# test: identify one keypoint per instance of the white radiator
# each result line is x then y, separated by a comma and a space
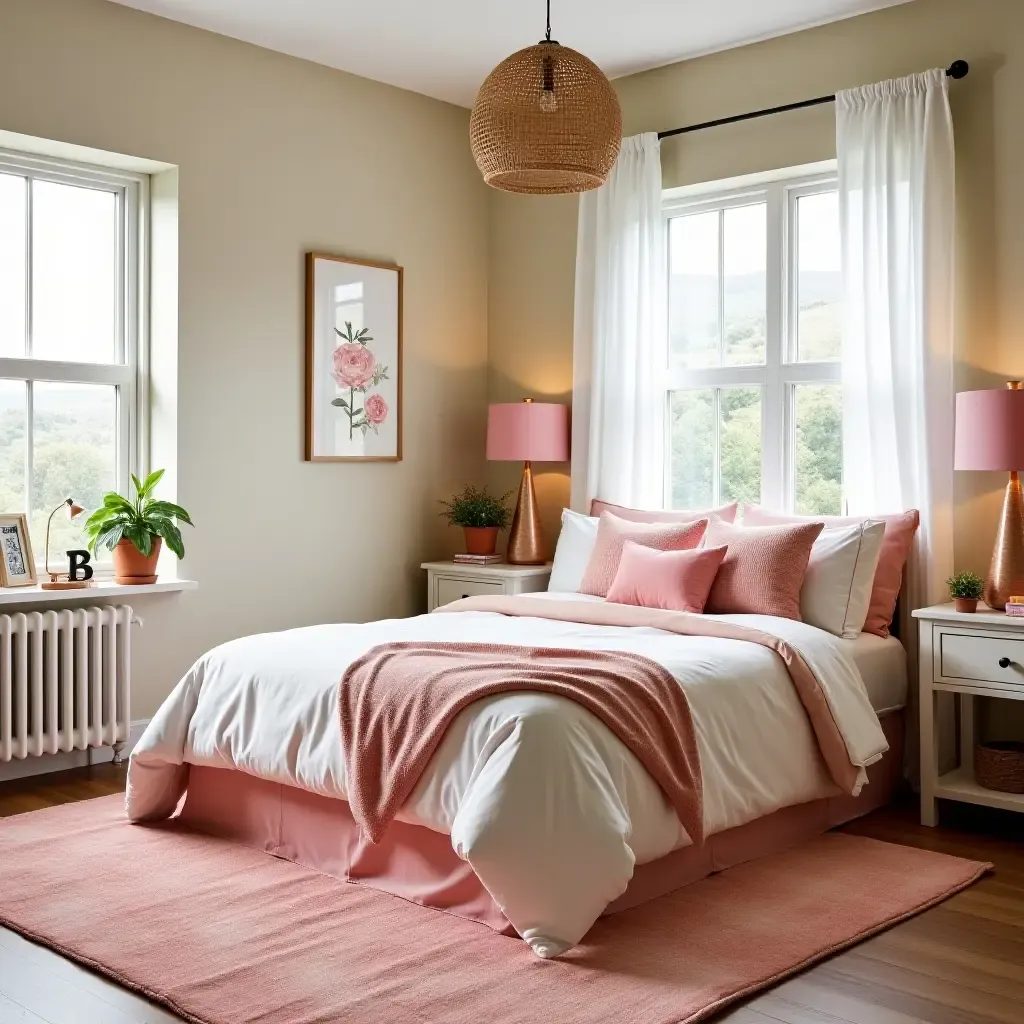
64, 681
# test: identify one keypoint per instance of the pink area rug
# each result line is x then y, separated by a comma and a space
223, 934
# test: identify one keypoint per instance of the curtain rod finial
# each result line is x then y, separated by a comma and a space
958, 69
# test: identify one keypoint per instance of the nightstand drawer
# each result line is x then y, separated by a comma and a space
992, 658
450, 589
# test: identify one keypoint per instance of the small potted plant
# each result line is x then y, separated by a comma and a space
135, 530
965, 588
481, 515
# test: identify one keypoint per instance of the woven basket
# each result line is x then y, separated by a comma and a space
546, 120
1000, 766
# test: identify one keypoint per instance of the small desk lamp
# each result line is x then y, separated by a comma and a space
55, 582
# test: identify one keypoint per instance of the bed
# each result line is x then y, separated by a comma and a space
532, 818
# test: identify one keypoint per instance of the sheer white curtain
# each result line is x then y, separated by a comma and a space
620, 334
897, 205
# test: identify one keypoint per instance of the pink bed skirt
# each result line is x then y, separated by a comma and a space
419, 865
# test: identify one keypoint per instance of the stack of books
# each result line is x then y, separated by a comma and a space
1015, 606
479, 559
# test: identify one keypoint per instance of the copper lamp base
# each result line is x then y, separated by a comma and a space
1006, 573
526, 538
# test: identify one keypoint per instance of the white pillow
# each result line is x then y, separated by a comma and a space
836, 593
572, 552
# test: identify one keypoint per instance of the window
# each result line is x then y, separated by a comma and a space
754, 398
71, 324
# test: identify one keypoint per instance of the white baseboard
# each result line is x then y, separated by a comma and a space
21, 768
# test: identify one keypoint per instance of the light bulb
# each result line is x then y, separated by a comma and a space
548, 103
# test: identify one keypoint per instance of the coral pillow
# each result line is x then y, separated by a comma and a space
763, 570
677, 580
636, 515
900, 528
612, 534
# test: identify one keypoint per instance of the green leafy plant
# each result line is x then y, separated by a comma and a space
475, 506
967, 585
139, 521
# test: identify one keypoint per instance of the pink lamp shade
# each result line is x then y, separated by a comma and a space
528, 432
990, 430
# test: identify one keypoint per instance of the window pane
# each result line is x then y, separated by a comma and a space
746, 287
819, 449
694, 289
13, 192
12, 446
712, 466
819, 278
74, 456
740, 442
693, 448
74, 273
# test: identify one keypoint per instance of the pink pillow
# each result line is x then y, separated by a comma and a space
612, 534
900, 528
679, 581
636, 515
763, 570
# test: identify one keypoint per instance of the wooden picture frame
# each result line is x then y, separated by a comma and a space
17, 562
353, 360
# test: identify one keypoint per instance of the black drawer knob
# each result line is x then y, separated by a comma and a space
1004, 662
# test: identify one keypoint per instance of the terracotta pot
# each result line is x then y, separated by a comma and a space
480, 540
966, 604
131, 566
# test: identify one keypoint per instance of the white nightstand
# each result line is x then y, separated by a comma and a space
451, 581
979, 655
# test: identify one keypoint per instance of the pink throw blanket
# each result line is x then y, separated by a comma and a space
396, 702
845, 774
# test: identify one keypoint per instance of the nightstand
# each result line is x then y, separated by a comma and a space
979, 655
451, 581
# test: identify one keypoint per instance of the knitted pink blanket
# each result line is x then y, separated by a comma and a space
397, 700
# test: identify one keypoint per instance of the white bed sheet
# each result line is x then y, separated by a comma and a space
883, 667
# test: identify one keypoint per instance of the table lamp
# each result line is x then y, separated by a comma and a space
990, 436
527, 432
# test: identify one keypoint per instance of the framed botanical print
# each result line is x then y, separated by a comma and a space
353, 360
17, 563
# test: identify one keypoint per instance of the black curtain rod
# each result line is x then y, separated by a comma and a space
958, 69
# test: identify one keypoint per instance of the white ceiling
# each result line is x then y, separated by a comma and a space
445, 48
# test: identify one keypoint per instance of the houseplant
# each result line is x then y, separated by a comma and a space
135, 530
965, 588
481, 515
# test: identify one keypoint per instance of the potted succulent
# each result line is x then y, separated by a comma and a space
135, 530
965, 588
481, 515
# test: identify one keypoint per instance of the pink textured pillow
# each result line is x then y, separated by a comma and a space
612, 534
763, 570
636, 515
677, 580
900, 528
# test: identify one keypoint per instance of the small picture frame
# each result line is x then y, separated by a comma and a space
17, 563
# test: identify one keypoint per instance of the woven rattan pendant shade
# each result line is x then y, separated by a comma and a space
546, 120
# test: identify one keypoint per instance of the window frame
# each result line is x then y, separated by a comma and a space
129, 372
781, 372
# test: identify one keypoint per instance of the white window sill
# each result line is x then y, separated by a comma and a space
104, 591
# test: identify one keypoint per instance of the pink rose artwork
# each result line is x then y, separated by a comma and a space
355, 368
353, 365
375, 409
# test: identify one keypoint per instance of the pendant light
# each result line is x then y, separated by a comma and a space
546, 120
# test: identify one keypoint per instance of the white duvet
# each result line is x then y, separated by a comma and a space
549, 808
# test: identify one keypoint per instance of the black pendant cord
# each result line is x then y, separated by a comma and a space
547, 34
958, 69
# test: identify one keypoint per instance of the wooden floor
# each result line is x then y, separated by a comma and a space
960, 963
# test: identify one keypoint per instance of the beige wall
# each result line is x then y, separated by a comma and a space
277, 156
532, 241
